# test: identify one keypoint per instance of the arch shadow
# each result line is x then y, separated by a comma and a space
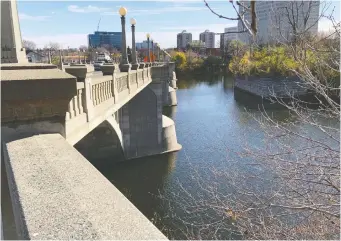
104, 143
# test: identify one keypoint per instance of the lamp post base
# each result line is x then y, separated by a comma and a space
125, 67
134, 66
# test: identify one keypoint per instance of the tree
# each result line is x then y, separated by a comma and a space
250, 28
289, 185
53, 47
180, 59
29, 45
293, 22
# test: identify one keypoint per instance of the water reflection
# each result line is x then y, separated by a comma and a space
141, 179
209, 123
170, 111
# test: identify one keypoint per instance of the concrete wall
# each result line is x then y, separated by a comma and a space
57, 194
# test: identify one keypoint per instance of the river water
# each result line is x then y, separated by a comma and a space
209, 124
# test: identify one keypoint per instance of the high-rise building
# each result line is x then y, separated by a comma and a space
275, 19
105, 39
231, 33
183, 39
208, 38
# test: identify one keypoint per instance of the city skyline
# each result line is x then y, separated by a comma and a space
69, 22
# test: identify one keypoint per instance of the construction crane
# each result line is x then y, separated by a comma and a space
99, 23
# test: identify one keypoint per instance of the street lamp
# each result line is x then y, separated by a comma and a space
158, 52
152, 49
148, 36
135, 64
124, 65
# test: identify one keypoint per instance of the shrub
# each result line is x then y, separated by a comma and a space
180, 60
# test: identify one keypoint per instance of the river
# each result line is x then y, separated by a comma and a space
209, 124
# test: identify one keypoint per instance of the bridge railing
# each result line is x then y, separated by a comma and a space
101, 89
122, 82
98, 93
76, 105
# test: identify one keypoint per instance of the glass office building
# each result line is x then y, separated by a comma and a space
101, 39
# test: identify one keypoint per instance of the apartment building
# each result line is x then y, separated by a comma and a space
208, 38
275, 18
183, 39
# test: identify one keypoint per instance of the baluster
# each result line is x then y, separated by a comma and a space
72, 113
75, 105
128, 81
97, 94
100, 91
114, 87
108, 89
104, 91
93, 94
80, 101
88, 98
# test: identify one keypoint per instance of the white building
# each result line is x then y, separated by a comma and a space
183, 39
208, 38
273, 20
231, 36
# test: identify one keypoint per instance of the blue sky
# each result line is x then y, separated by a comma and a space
69, 22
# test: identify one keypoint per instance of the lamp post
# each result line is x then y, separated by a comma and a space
152, 60
148, 36
124, 65
135, 64
158, 52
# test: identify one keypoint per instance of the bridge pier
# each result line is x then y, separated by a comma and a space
135, 130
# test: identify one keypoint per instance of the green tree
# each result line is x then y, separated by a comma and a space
180, 60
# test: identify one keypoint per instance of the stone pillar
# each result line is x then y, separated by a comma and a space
124, 65
79, 71
152, 51
148, 59
12, 50
135, 64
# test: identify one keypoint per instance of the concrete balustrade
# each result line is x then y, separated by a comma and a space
75, 107
51, 190
125, 102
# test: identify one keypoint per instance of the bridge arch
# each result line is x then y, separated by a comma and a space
104, 143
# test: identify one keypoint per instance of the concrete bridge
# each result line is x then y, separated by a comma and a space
120, 111
45, 111
52, 120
